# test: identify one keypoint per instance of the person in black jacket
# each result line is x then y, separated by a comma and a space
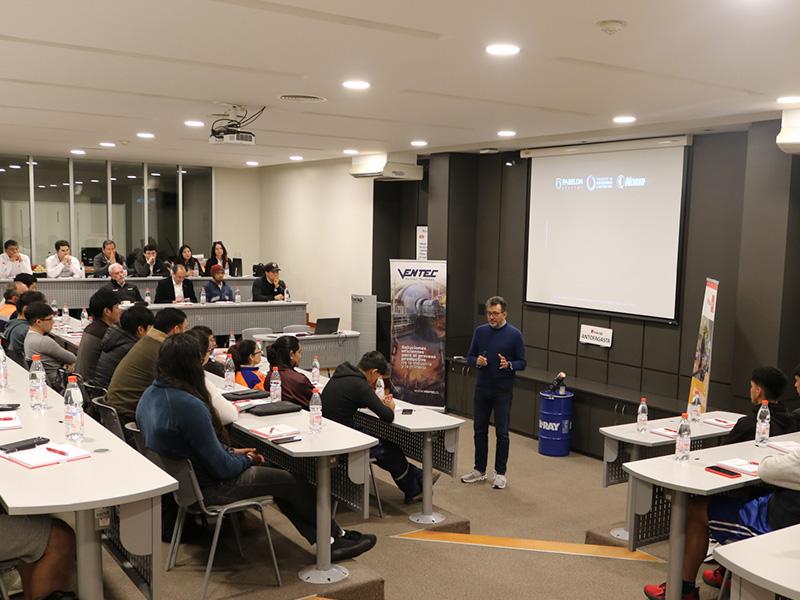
118, 340
219, 256
126, 292
766, 383
270, 287
106, 258
148, 264
186, 259
352, 388
175, 288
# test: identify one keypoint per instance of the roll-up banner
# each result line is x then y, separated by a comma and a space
419, 316
701, 368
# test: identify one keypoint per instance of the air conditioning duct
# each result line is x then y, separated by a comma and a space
788, 139
401, 166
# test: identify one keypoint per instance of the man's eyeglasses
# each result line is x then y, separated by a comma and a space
494, 313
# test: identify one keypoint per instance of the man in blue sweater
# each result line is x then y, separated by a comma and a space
498, 352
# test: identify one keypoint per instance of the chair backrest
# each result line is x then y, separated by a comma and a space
247, 334
17, 357
297, 329
188, 492
108, 417
138, 439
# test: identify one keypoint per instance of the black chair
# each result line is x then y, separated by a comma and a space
108, 417
132, 430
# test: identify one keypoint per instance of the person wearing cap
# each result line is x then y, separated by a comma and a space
216, 289
270, 287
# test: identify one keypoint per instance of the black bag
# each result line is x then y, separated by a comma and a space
274, 408
245, 395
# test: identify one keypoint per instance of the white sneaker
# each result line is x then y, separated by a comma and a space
499, 482
473, 476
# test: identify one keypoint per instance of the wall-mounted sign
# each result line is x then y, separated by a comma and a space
598, 336
422, 242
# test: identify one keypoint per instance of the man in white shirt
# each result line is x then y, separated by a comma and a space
176, 288
62, 264
13, 262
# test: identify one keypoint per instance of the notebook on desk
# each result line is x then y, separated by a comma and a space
327, 326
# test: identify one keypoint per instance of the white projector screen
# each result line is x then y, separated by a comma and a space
604, 231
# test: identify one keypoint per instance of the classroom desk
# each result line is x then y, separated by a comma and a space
312, 457
685, 479
85, 485
332, 349
224, 317
67, 332
622, 443
763, 566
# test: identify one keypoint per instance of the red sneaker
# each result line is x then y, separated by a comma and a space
715, 577
659, 592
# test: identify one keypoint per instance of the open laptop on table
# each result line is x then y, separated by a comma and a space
326, 326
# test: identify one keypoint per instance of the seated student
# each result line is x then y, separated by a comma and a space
353, 387
177, 419
186, 259
285, 353
9, 308
148, 264
107, 257
28, 280
104, 309
17, 329
216, 289
13, 262
135, 372
44, 548
766, 383
176, 288
38, 341
62, 264
118, 340
218, 256
270, 287
246, 356
211, 365
126, 292
226, 410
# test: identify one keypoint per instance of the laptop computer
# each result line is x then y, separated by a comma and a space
327, 325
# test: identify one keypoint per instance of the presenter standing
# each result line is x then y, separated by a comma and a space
498, 352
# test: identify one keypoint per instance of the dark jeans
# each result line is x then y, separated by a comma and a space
486, 401
390, 457
295, 497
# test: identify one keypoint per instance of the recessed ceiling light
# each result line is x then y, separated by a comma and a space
789, 100
42, 186
155, 174
252, 163
53, 185
182, 172
78, 152
419, 143
78, 183
295, 157
113, 179
66, 183
509, 163
145, 135
502, 49
131, 176
624, 119
95, 180
356, 84
194, 123
15, 166
2, 170
108, 144
506, 133
350, 151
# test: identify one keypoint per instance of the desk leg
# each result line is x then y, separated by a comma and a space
90, 558
624, 533
427, 516
323, 571
677, 543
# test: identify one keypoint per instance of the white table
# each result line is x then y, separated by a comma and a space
85, 485
685, 479
622, 443
67, 331
323, 449
763, 566
224, 317
332, 349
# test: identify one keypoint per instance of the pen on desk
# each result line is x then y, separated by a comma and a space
670, 430
6, 418
55, 451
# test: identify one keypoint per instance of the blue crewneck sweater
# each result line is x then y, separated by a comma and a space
490, 342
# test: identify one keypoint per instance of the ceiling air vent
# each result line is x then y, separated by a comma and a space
307, 98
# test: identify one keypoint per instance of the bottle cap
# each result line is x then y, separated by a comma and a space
764, 402
316, 357
230, 355
643, 399
315, 391
274, 368
36, 357
72, 379
684, 415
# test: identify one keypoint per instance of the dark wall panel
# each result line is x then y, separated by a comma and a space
438, 199
627, 342
624, 376
594, 370
513, 208
536, 326
556, 361
661, 343
487, 232
563, 332
656, 382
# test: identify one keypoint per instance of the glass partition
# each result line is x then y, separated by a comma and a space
127, 208
15, 199
197, 209
91, 207
162, 208
51, 202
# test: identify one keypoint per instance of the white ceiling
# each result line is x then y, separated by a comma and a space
73, 74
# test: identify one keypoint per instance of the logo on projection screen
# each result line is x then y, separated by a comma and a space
624, 181
568, 183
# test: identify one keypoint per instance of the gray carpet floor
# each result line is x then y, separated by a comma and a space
556, 499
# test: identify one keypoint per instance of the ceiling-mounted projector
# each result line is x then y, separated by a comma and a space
228, 129
231, 135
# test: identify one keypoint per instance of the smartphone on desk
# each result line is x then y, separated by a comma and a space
723, 471
6, 407
407, 411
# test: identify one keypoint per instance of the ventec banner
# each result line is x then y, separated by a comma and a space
701, 368
419, 317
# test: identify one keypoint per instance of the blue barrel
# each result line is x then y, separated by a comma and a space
555, 423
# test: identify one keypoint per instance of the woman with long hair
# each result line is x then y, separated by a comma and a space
218, 256
246, 356
186, 259
286, 353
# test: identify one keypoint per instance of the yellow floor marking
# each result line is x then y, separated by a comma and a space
492, 541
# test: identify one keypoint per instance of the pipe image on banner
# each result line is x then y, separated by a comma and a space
701, 368
419, 317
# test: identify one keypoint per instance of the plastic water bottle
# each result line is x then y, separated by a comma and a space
380, 389
237, 296
3, 370
683, 442
315, 412
73, 410
147, 298
38, 384
286, 296
275, 385
84, 318
641, 416
195, 272
53, 307
762, 424
230, 373
315, 370
227, 270
695, 408
203, 296
231, 340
